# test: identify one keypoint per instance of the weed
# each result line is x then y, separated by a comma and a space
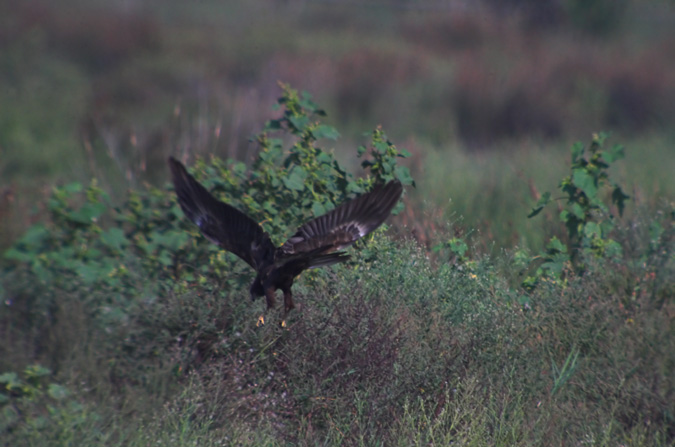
587, 218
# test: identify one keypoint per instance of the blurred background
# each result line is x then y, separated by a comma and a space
487, 95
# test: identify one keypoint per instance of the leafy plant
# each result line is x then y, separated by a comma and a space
32, 404
286, 186
454, 250
587, 217
119, 259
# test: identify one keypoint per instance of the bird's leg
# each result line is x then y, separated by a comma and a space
288, 305
288, 301
269, 297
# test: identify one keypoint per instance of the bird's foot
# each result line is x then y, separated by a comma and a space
261, 321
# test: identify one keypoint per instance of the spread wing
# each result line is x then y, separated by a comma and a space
345, 224
220, 222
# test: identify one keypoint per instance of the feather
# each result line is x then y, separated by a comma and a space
314, 244
219, 222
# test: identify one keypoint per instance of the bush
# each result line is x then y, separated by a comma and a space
149, 324
587, 217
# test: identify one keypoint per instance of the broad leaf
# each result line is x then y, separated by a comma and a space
544, 200
584, 181
325, 131
296, 179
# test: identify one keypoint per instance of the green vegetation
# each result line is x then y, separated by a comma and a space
487, 100
463, 323
123, 326
588, 220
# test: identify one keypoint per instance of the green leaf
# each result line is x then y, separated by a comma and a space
458, 246
87, 213
324, 158
318, 209
57, 392
577, 211
402, 173
72, 188
299, 122
306, 103
613, 154
269, 208
90, 272
556, 263
585, 182
273, 125
544, 200
239, 168
11, 379
577, 151
381, 147
613, 249
13, 254
556, 246
165, 258
114, 238
296, 179
35, 236
592, 230
37, 371
174, 240
325, 131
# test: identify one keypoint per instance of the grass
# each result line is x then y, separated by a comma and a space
392, 350
490, 194
400, 347
444, 76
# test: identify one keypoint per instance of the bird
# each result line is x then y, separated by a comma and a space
317, 243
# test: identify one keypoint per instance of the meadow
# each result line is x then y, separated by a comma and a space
464, 322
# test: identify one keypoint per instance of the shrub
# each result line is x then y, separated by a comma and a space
33, 409
124, 262
152, 327
587, 218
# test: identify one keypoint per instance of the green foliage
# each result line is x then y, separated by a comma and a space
393, 349
147, 237
286, 186
453, 250
587, 217
33, 408
134, 262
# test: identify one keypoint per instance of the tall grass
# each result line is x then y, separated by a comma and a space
490, 194
391, 350
110, 93
398, 347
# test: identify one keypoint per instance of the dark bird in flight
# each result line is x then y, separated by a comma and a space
315, 244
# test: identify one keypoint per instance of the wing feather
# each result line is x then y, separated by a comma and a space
345, 224
219, 222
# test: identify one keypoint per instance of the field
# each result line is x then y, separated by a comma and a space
464, 322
